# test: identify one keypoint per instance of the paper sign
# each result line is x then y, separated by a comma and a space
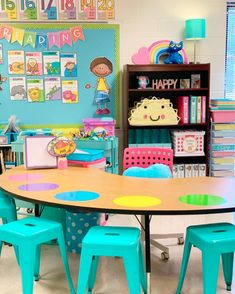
8, 9
17, 88
53, 88
51, 62
33, 63
70, 91
35, 90
16, 62
87, 9
48, 9
105, 9
68, 9
28, 9
68, 64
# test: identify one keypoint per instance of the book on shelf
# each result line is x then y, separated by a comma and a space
223, 126
189, 170
184, 83
201, 169
183, 109
180, 171
195, 81
175, 171
193, 109
199, 109
195, 170
203, 109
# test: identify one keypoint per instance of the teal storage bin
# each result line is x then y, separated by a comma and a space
86, 155
77, 225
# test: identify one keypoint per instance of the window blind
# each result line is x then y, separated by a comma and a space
230, 52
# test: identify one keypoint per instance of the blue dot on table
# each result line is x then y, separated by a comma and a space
77, 196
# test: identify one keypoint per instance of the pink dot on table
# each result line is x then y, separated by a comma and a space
38, 187
25, 177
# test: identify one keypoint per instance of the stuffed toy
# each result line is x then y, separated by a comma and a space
153, 171
174, 56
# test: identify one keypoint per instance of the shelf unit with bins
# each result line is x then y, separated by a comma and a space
222, 151
162, 71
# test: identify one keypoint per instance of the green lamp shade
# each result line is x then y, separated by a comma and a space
195, 29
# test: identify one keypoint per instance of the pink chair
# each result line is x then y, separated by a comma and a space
144, 157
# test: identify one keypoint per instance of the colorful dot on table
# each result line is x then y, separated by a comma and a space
25, 177
137, 201
38, 187
202, 199
77, 196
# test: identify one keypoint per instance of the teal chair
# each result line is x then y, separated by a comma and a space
112, 241
214, 240
7, 208
27, 235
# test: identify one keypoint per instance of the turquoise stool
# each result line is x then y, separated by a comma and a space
213, 240
27, 235
112, 241
7, 208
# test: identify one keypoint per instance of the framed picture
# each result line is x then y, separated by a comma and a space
184, 83
195, 81
36, 154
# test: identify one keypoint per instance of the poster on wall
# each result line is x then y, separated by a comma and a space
67, 9
51, 62
48, 9
16, 62
35, 90
33, 63
105, 9
87, 9
53, 88
28, 10
69, 91
8, 9
17, 88
68, 65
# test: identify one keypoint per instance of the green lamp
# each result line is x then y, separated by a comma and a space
195, 29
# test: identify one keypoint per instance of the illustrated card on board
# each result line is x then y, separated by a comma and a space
68, 64
36, 154
28, 9
48, 9
53, 89
69, 91
51, 63
18, 88
35, 90
33, 63
8, 9
105, 9
1, 60
87, 9
67, 9
16, 62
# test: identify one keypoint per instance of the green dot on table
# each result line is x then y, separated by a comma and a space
202, 199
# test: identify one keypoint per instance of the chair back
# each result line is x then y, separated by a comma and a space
146, 156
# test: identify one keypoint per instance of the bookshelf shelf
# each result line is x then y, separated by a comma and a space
185, 77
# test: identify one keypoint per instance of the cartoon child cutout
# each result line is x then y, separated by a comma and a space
70, 69
101, 67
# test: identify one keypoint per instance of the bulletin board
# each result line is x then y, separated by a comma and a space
100, 40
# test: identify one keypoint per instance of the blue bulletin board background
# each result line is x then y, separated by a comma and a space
101, 40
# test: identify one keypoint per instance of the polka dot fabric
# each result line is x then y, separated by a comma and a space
77, 225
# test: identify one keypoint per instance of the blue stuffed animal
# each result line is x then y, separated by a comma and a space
174, 56
157, 170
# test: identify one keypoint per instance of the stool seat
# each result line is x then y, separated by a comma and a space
7, 208
112, 241
214, 240
27, 235
117, 237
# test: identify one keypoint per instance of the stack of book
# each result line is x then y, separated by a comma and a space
189, 170
191, 109
222, 110
222, 150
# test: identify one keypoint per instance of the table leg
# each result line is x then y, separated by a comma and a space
147, 251
37, 212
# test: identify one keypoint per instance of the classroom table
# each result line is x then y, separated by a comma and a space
112, 193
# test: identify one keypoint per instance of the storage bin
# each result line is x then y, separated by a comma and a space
86, 155
188, 143
77, 225
4, 140
223, 116
100, 124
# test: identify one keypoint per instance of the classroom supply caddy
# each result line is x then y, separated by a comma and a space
188, 143
99, 125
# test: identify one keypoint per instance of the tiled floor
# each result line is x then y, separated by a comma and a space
111, 276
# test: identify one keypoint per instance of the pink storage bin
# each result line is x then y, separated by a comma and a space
223, 116
94, 124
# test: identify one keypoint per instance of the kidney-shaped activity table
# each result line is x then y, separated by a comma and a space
91, 189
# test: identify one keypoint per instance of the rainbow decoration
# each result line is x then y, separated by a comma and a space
161, 47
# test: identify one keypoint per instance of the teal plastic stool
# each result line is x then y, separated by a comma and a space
7, 208
112, 241
27, 235
214, 240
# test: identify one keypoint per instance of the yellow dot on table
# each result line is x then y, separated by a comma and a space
137, 201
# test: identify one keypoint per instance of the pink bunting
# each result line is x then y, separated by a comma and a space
53, 39
65, 38
77, 34
5, 32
